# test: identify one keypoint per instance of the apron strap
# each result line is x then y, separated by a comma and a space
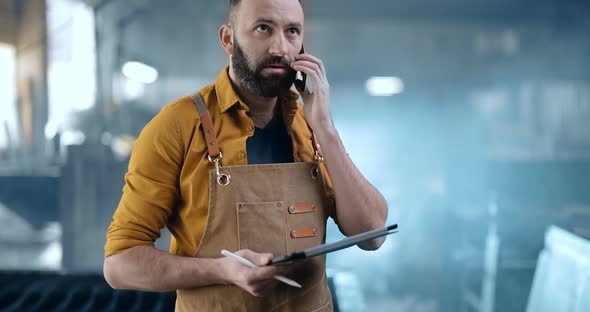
207, 123
319, 154
211, 138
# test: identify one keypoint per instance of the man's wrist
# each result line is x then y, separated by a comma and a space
219, 272
326, 132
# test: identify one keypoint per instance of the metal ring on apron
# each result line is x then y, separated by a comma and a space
315, 170
223, 179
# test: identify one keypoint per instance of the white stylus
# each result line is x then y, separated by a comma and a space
251, 264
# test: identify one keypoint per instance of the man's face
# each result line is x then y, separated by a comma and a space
269, 78
267, 35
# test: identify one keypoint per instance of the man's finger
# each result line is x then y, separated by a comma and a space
313, 59
259, 259
309, 64
307, 68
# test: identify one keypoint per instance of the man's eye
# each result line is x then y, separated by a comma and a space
262, 28
293, 31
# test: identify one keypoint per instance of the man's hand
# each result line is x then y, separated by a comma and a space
259, 281
316, 104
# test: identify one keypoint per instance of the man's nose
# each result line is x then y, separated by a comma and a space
279, 46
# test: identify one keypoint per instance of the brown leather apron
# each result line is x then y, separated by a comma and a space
276, 208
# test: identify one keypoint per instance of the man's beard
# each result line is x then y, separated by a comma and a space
254, 82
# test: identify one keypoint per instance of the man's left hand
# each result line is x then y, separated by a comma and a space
316, 104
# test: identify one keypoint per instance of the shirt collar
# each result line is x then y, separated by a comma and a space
226, 95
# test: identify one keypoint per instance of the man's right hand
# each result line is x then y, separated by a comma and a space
258, 281
149, 269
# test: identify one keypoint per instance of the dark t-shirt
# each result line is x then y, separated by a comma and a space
271, 144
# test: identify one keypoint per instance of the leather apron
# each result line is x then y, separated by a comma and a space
276, 208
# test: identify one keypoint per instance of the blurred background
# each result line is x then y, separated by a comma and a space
472, 117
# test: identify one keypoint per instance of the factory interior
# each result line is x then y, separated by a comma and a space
471, 118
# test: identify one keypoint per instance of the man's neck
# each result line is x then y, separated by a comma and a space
262, 109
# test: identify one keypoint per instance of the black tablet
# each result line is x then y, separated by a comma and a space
338, 245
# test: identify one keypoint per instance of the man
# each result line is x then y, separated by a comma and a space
234, 167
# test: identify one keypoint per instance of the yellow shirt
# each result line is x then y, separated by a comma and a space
167, 182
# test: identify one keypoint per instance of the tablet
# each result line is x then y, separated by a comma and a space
338, 245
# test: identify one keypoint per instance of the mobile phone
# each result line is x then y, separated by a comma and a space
300, 77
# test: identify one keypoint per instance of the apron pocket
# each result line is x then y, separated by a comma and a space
261, 227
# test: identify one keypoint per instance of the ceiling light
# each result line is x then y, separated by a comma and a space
384, 86
140, 72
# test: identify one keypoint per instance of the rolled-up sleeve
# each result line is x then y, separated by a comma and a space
151, 188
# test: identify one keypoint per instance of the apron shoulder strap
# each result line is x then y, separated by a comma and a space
207, 124
319, 154
198, 100
211, 138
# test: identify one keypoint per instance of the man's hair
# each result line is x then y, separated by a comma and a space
233, 5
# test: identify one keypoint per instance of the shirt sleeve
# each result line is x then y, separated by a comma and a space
151, 188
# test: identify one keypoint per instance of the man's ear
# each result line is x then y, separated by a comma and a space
226, 38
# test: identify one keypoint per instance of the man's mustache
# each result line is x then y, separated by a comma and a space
274, 60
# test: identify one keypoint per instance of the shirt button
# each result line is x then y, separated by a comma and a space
241, 155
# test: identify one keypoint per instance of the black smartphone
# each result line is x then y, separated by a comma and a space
301, 77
